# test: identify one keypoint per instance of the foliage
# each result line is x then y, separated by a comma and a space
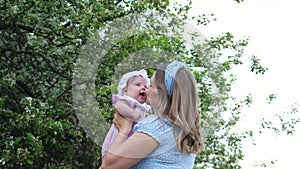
284, 122
41, 43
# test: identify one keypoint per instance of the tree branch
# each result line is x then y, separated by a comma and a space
116, 4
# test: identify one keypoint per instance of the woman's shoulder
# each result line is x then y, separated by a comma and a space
153, 119
153, 125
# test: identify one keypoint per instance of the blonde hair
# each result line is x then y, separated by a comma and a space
181, 109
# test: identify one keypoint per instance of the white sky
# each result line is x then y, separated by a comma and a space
274, 34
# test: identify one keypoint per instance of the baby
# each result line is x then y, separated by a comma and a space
130, 101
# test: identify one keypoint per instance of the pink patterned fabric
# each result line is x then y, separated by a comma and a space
113, 131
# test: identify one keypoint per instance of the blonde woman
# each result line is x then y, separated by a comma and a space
171, 137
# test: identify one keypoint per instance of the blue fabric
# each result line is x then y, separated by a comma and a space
165, 156
170, 74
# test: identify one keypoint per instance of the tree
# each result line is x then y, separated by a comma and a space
40, 42
45, 46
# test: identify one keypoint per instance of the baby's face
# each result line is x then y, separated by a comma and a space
137, 89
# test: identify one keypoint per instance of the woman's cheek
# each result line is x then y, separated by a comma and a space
148, 101
153, 97
148, 97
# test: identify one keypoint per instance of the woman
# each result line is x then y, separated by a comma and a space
170, 138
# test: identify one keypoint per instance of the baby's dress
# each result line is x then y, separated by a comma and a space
113, 131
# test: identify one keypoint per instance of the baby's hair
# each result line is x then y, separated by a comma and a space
127, 77
129, 81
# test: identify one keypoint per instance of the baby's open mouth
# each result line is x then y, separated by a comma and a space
142, 93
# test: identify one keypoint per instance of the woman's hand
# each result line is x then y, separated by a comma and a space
123, 124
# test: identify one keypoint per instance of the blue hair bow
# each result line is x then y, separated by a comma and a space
170, 74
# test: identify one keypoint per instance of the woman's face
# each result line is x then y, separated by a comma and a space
151, 95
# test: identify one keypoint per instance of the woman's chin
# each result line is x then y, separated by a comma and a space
148, 102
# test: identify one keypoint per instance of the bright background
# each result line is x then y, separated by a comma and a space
273, 28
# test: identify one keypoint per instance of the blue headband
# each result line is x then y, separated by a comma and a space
170, 74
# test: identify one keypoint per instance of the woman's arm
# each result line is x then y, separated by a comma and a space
129, 152
123, 152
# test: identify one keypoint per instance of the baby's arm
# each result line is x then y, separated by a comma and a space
124, 109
